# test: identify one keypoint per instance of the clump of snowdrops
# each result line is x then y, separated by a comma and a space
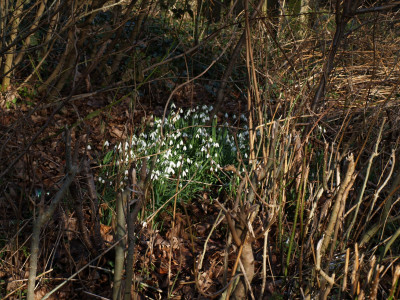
189, 154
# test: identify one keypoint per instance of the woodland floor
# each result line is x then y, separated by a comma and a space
164, 255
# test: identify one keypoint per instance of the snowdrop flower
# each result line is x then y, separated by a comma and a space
153, 135
106, 144
173, 106
184, 148
176, 118
88, 147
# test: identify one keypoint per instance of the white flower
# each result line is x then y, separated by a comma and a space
173, 106
106, 144
176, 118
169, 170
184, 148
226, 115
88, 147
100, 179
153, 135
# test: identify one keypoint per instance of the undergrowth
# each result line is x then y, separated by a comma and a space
183, 151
